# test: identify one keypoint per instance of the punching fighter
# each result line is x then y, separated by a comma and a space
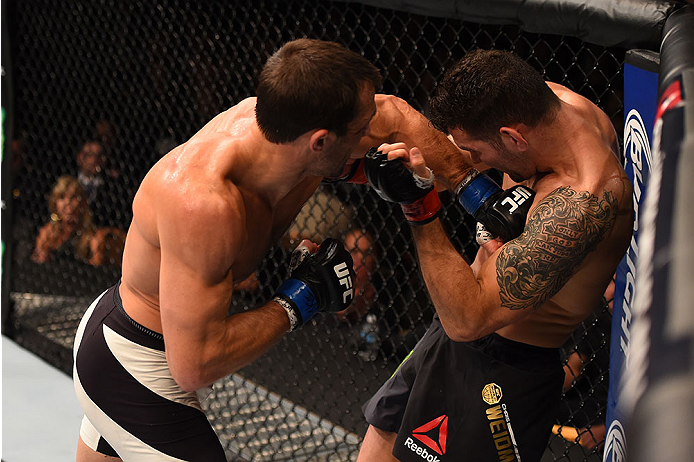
484, 382
203, 217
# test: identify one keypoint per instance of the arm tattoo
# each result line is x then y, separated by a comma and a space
560, 232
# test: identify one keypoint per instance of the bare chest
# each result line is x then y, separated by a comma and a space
265, 225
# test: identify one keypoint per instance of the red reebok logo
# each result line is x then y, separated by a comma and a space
437, 446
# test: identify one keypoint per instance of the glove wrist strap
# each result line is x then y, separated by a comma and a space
469, 176
424, 210
300, 299
353, 173
476, 193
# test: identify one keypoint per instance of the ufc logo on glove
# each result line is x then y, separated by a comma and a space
520, 195
342, 272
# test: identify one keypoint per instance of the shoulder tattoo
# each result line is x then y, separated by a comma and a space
559, 233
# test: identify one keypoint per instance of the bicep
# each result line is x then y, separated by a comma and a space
560, 232
187, 293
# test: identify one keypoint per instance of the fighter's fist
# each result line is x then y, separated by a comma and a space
320, 281
394, 182
502, 212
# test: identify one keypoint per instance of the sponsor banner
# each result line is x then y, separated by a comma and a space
640, 103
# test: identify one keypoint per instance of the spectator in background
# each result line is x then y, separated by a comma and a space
106, 198
324, 215
70, 232
586, 356
105, 134
90, 162
361, 246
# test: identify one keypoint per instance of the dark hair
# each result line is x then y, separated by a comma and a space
488, 89
310, 84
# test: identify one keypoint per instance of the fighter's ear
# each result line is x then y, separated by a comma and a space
514, 137
319, 139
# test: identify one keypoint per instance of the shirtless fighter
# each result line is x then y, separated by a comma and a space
204, 217
484, 382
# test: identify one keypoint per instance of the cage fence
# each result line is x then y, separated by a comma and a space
132, 79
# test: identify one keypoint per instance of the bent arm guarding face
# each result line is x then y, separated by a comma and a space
561, 230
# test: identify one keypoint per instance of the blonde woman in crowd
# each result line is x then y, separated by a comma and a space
70, 231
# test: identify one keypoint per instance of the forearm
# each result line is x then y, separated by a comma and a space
446, 160
453, 287
233, 343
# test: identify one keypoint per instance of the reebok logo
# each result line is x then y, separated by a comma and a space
424, 434
420, 451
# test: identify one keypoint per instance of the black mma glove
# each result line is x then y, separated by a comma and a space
502, 212
322, 281
395, 183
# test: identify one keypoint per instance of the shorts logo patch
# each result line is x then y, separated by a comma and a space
425, 432
491, 393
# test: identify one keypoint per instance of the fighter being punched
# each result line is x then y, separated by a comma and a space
484, 381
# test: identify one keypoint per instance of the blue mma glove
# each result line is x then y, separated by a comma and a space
502, 212
322, 281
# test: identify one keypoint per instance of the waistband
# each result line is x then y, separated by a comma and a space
520, 355
122, 323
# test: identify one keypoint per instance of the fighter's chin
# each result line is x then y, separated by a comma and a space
336, 172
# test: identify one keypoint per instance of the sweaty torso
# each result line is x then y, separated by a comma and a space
210, 168
597, 169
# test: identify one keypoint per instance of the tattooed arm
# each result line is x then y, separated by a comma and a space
561, 230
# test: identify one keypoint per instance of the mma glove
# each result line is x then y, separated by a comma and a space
322, 281
501, 212
395, 183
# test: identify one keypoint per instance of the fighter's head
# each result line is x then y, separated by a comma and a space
309, 84
486, 101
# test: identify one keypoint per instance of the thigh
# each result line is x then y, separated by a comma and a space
87, 454
467, 405
386, 408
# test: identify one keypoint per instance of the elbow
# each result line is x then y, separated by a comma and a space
460, 331
188, 381
188, 377
461, 335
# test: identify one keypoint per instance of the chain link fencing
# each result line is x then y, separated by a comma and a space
132, 79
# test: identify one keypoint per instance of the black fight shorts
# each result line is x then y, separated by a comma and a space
133, 408
492, 399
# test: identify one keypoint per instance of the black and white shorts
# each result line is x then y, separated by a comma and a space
491, 399
133, 408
